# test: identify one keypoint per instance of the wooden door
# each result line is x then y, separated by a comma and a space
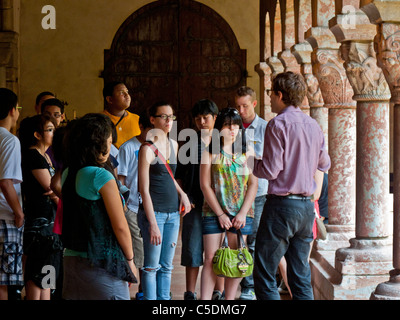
178, 51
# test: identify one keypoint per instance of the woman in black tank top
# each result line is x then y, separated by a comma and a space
162, 201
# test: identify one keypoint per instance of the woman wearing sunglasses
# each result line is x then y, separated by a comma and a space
229, 190
162, 201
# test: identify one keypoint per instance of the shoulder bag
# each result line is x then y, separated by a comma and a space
233, 263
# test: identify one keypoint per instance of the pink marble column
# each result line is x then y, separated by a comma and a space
369, 255
265, 72
337, 92
388, 55
302, 52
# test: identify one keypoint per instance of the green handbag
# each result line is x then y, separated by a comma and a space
233, 263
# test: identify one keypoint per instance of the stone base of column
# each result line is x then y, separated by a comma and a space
365, 257
351, 273
389, 290
338, 236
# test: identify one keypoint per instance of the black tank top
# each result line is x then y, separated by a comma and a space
162, 188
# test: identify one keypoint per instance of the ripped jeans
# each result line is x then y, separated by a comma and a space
157, 269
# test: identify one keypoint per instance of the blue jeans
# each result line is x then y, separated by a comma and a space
157, 269
285, 230
248, 282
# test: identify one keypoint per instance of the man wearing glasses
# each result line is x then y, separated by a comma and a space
54, 108
294, 148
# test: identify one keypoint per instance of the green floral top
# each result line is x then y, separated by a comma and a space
229, 178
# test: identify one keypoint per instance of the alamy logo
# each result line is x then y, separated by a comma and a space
49, 20
49, 280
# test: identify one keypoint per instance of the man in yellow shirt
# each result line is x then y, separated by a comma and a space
117, 100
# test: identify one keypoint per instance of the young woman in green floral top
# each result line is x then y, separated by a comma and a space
229, 190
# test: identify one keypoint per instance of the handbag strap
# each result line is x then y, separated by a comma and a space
240, 240
158, 154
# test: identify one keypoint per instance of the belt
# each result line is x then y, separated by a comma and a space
289, 196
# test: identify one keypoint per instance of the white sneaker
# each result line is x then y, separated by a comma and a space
248, 294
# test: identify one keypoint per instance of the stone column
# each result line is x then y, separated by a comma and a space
9, 60
369, 255
302, 52
337, 95
265, 72
8, 47
388, 53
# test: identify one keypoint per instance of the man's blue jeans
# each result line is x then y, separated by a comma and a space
285, 230
157, 269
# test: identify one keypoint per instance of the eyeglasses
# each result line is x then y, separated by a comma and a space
165, 117
228, 111
19, 108
55, 115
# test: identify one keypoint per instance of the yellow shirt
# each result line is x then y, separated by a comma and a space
127, 128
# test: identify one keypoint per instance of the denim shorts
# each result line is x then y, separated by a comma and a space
211, 225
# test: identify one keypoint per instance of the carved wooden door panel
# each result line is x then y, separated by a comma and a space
178, 51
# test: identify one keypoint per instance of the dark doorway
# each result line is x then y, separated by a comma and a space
178, 51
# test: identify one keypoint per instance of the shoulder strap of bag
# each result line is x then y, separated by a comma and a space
240, 239
241, 243
158, 154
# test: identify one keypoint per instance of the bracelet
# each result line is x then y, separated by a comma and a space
221, 214
129, 259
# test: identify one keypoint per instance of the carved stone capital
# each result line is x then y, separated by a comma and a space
265, 72
275, 64
335, 87
314, 94
321, 37
366, 78
381, 10
387, 47
289, 61
352, 25
302, 52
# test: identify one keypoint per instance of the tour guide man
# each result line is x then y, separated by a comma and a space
294, 149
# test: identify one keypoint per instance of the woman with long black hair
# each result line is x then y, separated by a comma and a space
98, 260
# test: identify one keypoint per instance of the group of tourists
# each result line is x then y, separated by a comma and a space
100, 199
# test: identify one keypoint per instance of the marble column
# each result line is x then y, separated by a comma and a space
9, 60
369, 255
337, 95
265, 72
302, 52
388, 53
